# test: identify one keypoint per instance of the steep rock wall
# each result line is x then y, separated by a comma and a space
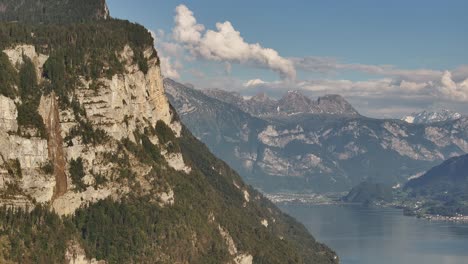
121, 105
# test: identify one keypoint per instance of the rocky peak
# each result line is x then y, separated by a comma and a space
336, 104
294, 102
428, 117
233, 98
261, 97
294, 95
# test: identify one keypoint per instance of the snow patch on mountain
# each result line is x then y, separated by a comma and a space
427, 117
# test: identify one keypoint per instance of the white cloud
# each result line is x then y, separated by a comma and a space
186, 29
172, 49
328, 65
391, 92
168, 68
254, 82
226, 44
446, 85
452, 90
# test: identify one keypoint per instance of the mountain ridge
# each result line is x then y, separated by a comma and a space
292, 102
431, 116
318, 152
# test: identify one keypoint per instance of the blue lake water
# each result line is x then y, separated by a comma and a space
381, 236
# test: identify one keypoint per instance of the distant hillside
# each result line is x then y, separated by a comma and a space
450, 177
428, 117
53, 11
293, 102
444, 188
369, 192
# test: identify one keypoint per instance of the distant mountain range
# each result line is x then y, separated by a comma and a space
299, 144
293, 102
427, 117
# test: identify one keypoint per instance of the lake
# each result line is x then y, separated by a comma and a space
380, 236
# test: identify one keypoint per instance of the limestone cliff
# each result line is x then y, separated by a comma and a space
120, 106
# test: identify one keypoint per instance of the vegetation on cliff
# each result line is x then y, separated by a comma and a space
210, 206
52, 11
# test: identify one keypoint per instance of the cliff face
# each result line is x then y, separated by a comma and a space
105, 146
96, 166
120, 106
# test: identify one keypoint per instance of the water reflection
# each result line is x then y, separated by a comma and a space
366, 235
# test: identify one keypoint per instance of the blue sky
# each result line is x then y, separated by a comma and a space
342, 46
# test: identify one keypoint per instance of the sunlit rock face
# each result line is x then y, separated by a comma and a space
120, 106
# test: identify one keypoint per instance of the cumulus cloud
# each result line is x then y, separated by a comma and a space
225, 44
452, 90
168, 69
167, 51
390, 91
447, 85
254, 82
186, 29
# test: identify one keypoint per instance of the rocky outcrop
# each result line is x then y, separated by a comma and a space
75, 254
239, 258
8, 115
21, 160
127, 102
16, 54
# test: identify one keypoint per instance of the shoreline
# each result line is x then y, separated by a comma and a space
332, 199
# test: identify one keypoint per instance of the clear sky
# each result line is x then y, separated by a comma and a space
388, 58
